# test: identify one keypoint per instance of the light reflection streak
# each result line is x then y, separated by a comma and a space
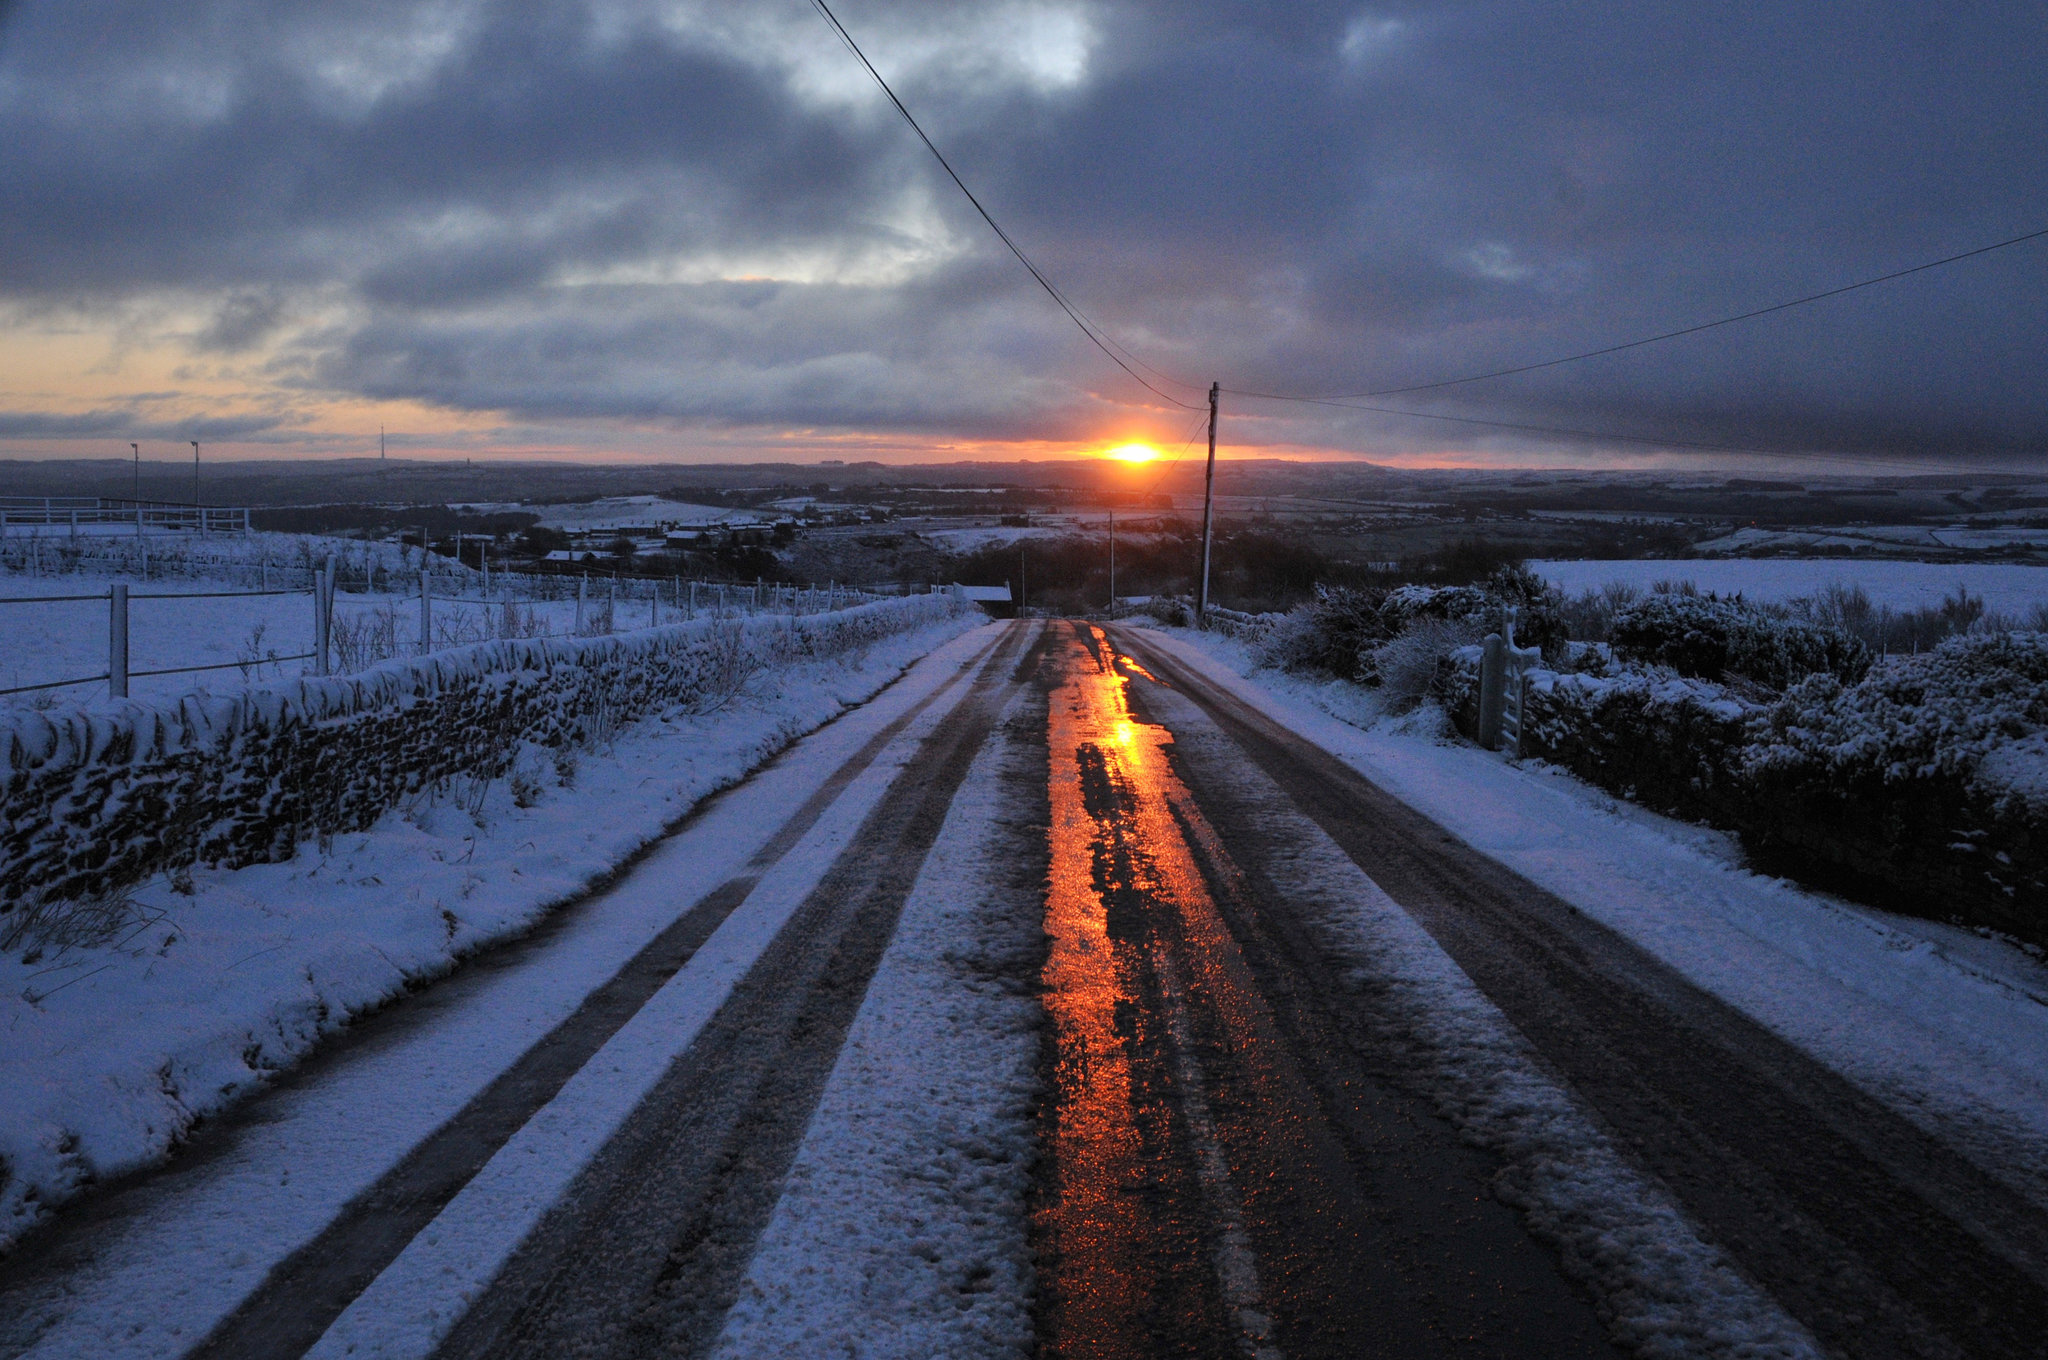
1099, 1225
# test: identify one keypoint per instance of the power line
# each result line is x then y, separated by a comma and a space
1125, 359
1667, 335
1043, 282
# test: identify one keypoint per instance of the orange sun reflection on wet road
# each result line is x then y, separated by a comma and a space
1144, 1254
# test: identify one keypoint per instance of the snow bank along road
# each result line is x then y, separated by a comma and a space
1061, 999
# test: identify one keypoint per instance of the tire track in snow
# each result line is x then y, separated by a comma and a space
646, 1252
308, 1290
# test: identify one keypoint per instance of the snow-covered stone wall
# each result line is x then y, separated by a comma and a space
97, 799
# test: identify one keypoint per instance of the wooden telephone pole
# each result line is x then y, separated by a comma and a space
1112, 561
1208, 511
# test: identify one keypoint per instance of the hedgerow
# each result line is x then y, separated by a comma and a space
1713, 639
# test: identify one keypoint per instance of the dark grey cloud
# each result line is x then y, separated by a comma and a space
128, 422
547, 208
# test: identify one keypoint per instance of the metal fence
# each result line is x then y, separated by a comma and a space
600, 606
117, 674
41, 514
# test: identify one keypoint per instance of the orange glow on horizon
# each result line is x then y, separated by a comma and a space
1133, 453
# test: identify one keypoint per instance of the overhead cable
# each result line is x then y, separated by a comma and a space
1667, 335
1023, 259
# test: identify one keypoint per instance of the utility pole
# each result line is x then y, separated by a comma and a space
1208, 511
381, 455
1112, 561
138, 470
195, 474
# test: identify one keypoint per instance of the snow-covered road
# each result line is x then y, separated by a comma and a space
1077, 995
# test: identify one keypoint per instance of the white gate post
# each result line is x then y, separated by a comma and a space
117, 640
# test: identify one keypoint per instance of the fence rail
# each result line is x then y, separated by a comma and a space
686, 599
35, 513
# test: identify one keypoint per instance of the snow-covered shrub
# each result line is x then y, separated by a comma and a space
94, 800
1344, 631
1456, 687
1668, 742
1974, 709
1932, 772
1171, 610
1714, 639
1408, 666
1589, 616
1330, 633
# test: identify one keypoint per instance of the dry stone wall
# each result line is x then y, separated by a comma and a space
98, 799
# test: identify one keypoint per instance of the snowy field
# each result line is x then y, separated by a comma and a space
613, 512
971, 540
1886, 537
112, 1053
2006, 588
66, 639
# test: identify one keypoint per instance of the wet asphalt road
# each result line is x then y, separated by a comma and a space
1225, 1176
1238, 1153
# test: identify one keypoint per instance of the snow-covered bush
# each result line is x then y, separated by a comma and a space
1924, 785
1930, 776
1171, 610
1666, 741
1329, 633
1714, 639
1975, 709
1589, 615
1345, 631
1409, 664
93, 800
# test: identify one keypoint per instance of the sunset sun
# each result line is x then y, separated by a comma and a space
1133, 453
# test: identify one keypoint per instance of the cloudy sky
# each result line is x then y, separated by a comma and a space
694, 229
